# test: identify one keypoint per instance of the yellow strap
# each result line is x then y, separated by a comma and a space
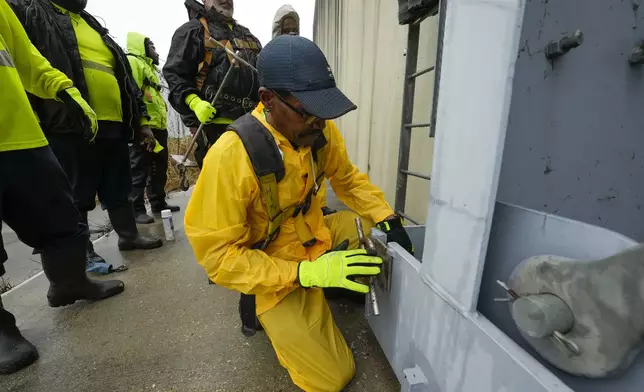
242, 44
268, 185
210, 45
204, 67
270, 198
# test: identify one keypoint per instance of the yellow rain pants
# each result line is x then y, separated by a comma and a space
302, 330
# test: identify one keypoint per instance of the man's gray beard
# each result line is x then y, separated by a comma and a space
226, 13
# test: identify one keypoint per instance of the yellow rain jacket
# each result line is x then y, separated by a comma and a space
22, 68
145, 75
226, 216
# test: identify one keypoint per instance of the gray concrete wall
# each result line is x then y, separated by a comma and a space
576, 131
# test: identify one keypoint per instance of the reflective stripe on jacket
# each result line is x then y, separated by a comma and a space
22, 68
226, 216
52, 32
98, 66
146, 77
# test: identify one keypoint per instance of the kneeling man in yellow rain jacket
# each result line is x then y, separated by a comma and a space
255, 227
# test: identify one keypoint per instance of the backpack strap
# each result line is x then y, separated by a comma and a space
204, 67
268, 165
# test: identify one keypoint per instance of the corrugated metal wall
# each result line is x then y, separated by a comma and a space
366, 48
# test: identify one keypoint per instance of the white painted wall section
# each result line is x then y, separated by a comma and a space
475, 92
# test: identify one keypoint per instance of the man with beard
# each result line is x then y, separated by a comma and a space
74, 42
256, 228
286, 21
149, 168
196, 68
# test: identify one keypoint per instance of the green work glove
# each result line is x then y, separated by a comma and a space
334, 269
202, 109
80, 112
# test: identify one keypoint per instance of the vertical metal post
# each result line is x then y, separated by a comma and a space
407, 115
442, 15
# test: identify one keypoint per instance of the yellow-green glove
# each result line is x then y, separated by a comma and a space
80, 112
335, 269
202, 109
157, 147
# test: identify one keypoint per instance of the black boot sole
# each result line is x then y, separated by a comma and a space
21, 363
176, 209
65, 300
135, 246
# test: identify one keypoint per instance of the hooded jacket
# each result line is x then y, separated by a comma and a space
188, 50
52, 33
145, 74
195, 9
285, 11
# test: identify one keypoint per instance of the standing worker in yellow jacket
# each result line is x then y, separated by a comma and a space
287, 259
36, 200
287, 22
149, 168
74, 42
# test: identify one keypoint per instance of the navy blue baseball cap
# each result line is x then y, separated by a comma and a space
295, 64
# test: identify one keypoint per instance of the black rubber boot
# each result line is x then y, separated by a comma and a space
125, 226
16, 352
68, 282
91, 256
165, 206
143, 218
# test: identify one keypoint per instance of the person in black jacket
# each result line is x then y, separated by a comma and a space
195, 9
74, 42
196, 68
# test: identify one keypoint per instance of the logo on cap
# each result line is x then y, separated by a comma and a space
328, 68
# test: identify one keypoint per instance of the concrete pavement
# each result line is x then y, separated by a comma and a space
169, 331
22, 264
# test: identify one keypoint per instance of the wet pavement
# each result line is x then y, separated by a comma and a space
169, 331
22, 264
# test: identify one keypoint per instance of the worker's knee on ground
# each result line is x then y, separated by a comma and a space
343, 227
346, 372
333, 378
308, 343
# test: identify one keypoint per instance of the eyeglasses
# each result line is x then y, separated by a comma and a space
308, 118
